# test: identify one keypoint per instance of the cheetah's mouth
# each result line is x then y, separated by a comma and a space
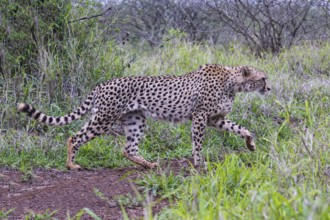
264, 89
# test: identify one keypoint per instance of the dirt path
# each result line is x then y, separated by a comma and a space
69, 192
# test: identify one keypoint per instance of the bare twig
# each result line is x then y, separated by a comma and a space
93, 16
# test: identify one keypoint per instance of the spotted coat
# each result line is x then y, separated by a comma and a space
204, 96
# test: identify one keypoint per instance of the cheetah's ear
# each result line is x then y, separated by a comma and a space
246, 71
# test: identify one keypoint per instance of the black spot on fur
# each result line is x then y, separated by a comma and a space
44, 119
36, 116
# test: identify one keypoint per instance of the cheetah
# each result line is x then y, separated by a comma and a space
204, 96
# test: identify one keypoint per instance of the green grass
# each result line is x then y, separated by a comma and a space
4, 214
236, 189
287, 177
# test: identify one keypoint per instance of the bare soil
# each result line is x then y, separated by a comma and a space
71, 191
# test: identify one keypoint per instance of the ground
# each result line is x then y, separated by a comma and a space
69, 192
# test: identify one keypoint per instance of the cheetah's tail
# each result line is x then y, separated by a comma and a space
62, 120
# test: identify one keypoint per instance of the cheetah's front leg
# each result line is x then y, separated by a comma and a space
197, 134
227, 125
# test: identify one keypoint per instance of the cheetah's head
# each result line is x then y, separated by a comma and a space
253, 80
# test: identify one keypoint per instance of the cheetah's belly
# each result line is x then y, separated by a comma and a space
166, 113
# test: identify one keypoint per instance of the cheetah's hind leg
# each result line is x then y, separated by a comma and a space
70, 155
87, 133
134, 124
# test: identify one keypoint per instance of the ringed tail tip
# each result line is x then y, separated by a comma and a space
22, 107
